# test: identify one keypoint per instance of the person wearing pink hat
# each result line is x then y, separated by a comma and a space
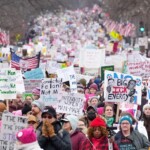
27, 140
36, 93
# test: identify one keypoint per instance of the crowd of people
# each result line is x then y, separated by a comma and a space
94, 130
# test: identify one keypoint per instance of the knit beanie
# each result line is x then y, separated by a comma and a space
36, 91
98, 122
146, 106
127, 118
73, 121
26, 109
2, 107
50, 110
39, 103
94, 86
26, 135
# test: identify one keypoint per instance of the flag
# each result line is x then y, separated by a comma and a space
24, 63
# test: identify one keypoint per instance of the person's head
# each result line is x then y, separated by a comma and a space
2, 107
146, 109
91, 113
80, 88
93, 101
109, 110
97, 128
93, 88
18, 99
126, 123
26, 136
26, 108
49, 113
111, 82
29, 98
37, 107
36, 93
131, 84
32, 121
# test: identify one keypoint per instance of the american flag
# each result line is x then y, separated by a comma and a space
24, 63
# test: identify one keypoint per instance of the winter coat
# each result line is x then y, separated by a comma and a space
139, 140
61, 141
30, 146
77, 137
97, 144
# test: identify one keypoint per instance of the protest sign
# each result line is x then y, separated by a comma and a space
143, 41
71, 104
81, 76
11, 125
31, 84
6, 145
148, 89
19, 82
91, 58
34, 74
50, 88
7, 84
103, 68
68, 74
52, 66
122, 88
91, 72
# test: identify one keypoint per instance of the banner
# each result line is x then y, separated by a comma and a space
71, 104
31, 84
34, 74
122, 88
7, 84
91, 58
110, 68
11, 125
50, 88
68, 74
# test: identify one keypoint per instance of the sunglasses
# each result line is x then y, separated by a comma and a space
49, 117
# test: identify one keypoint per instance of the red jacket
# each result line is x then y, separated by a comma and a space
97, 144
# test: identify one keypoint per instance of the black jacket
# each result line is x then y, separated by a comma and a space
59, 142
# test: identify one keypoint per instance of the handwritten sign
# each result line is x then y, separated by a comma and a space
34, 74
91, 58
71, 104
11, 125
122, 88
50, 88
19, 82
7, 84
31, 84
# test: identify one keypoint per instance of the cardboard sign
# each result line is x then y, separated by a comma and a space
71, 104
50, 88
34, 74
122, 88
7, 84
11, 125
31, 84
110, 68
92, 58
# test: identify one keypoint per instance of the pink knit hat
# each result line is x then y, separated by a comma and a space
26, 135
36, 91
94, 86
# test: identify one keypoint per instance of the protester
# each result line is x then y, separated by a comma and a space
93, 88
36, 93
32, 121
51, 136
70, 124
82, 126
128, 138
27, 140
93, 101
2, 106
97, 136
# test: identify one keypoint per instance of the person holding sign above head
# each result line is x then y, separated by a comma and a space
128, 138
97, 136
52, 136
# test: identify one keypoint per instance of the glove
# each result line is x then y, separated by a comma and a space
48, 129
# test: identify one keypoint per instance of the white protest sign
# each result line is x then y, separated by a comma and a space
71, 104
148, 89
31, 84
143, 41
6, 145
121, 87
19, 82
50, 88
7, 84
52, 66
11, 125
92, 58
81, 76
68, 74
